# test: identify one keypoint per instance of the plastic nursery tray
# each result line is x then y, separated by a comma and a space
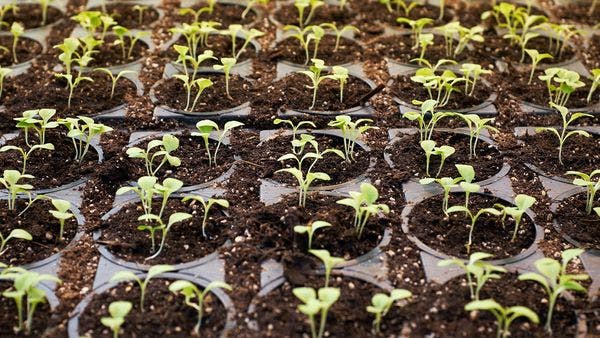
61, 5
73, 325
393, 136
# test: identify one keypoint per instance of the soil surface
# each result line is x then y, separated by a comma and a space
26, 50
499, 48
110, 54
30, 16
580, 13
290, 50
226, 14
400, 47
378, 12
221, 46
9, 317
287, 14
576, 223
128, 17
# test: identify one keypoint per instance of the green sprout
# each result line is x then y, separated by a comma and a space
476, 271
157, 149
188, 84
301, 5
593, 88
73, 83
300, 35
416, 27
16, 30
430, 148
25, 154
364, 205
82, 131
381, 304
504, 316
536, 58
206, 206
164, 228
473, 218
253, 3
443, 85
351, 132
14, 234
122, 33
339, 32
145, 191
471, 73
236, 29
405, 6
118, 311
312, 305
206, 128
3, 72
591, 186
316, 33
140, 9
295, 128
61, 213
476, 126
467, 176
427, 118
154, 271
114, 79
226, 66
446, 183
310, 229
561, 83
328, 261
425, 40
10, 180
522, 203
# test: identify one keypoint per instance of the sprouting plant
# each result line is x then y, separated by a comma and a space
69, 48
61, 213
536, 58
443, 85
301, 5
194, 298
467, 176
114, 79
465, 36
226, 66
25, 154
476, 125
118, 311
504, 316
3, 10
82, 131
300, 35
26, 294
206, 128
253, 3
427, 118
316, 34
402, 6
295, 128
201, 84
416, 27
310, 229
234, 31
5, 71
16, 30
430, 148
73, 82
14, 234
381, 304
472, 72
561, 83
161, 226
473, 218
476, 270
10, 180
364, 205
154, 271
563, 135
206, 206
157, 150
595, 83
555, 280
425, 40
44, 4
122, 33
314, 74
351, 132
559, 36
140, 9
528, 23
329, 262
591, 186
446, 183
144, 190
339, 32
522, 203
312, 305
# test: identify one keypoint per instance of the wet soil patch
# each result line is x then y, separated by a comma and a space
128, 17
221, 46
501, 49
376, 11
290, 50
576, 223
26, 50
399, 47
110, 54
287, 14
591, 54
226, 14
9, 317
30, 16
577, 12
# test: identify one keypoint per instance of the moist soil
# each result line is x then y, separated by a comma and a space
290, 50
591, 54
42, 226
221, 46
498, 48
580, 13
292, 92
27, 49
225, 14
287, 14
110, 54
128, 17
406, 90
338, 169
9, 317
576, 223
194, 168
406, 153
172, 94
277, 312
51, 168
165, 315
449, 234
541, 150
30, 16
399, 47
439, 311
184, 243
375, 11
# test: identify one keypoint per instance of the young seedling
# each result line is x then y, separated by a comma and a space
189, 85
253, 3
536, 58
300, 35
522, 203
427, 118
405, 6
118, 311
301, 5
416, 27
122, 33
312, 305
473, 218
114, 79
140, 9
425, 40
144, 190
472, 72
226, 66
314, 74
592, 186
25, 154
446, 183
310, 230
10, 180
561, 83
553, 277
563, 135
443, 85
61, 213
476, 126
14, 234
328, 261
381, 304
3, 73
82, 131
351, 132
316, 34
206, 206
194, 298
476, 271
339, 32
73, 82
504, 316
154, 271
593, 88
206, 128
430, 148
364, 205
295, 128
157, 149
467, 176
162, 227
16, 30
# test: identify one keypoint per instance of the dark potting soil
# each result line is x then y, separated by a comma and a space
277, 313
439, 311
591, 54
42, 226
400, 48
221, 46
51, 168
449, 234
406, 90
225, 14
576, 223
9, 316
376, 11
30, 16
213, 99
165, 315
470, 12
128, 17
406, 153
110, 54
338, 169
194, 168
290, 50
26, 49
499, 48
184, 242
287, 14
579, 153
292, 92
578, 12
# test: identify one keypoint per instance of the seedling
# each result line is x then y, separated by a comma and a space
312, 305
553, 277
44, 4
3, 73
316, 33
73, 83
425, 40
310, 230
82, 131
10, 180
301, 5
536, 57
164, 228
473, 218
339, 32
122, 33
467, 175
145, 191
16, 30
591, 186
194, 298
154, 271
381, 304
472, 72
206, 205
61, 213
201, 84
476, 271
118, 311
405, 6
427, 118
444, 84
429, 147
14, 234
249, 35
593, 88
328, 261
25, 154
416, 27
567, 81
140, 9
563, 135
253, 3
114, 79
522, 203
351, 132
476, 126
300, 35
504, 316
364, 205
446, 183
157, 150
206, 127
295, 128
226, 66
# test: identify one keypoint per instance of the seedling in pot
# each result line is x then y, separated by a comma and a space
591, 186
201, 84
14, 234
253, 3
555, 280
364, 205
310, 230
61, 213
301, 5
312, 305
160, 226
122, 33
301, 35
329, 262
467, 175
563, 135
73, 82
528, 24
425, 40
114, 79
3, 73
476, 126
118, 311
351, 132
295, 128
3, 10
427, 118
416, 27
443, 85
536, 58
16, 30
196, 34
154, 271
206, 205
429, 147
184, 57
82, 131
314, 74
595, 83
522, 203
381, 304
194, 298
140, 9
10, 180
402, 7
233, 31
206, 127
559, 36
476, 271
157, 149
316, 33
465, 36
472, 72
26, 153
339, 32
473, 218
226, 66
446, 183
561, 83
504, 315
